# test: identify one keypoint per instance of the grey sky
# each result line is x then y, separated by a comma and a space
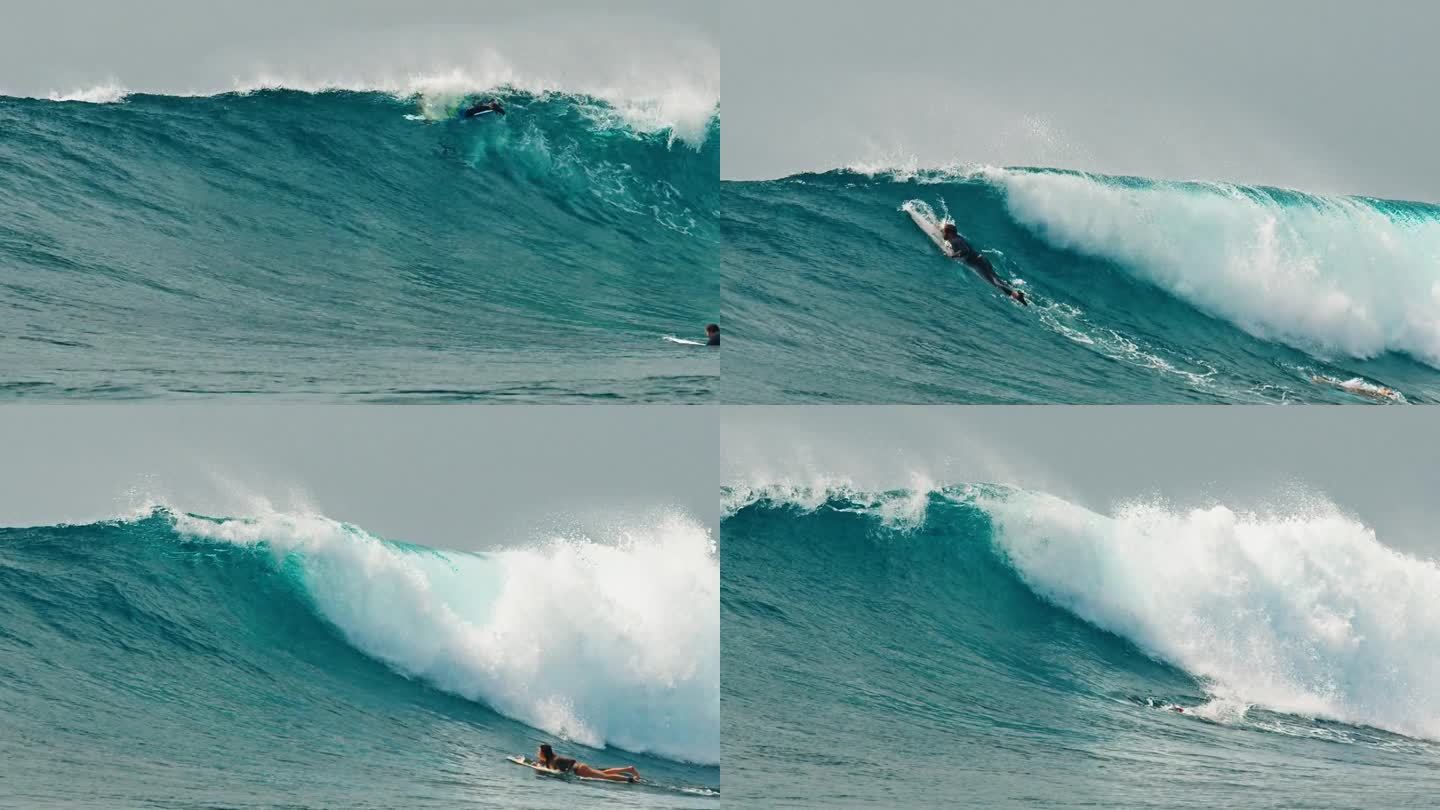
183, 46
461, 477
1381, 464
1314, 94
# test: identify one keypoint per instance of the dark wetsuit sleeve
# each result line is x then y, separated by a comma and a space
714, 340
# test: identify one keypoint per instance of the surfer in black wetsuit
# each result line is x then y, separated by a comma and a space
482, 108
546, 758
712, 334
962, 250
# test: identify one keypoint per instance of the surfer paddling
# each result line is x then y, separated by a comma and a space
546, 758
483, 108
962, 250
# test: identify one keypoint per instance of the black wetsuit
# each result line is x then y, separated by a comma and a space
480, 109
963, 251
713, 340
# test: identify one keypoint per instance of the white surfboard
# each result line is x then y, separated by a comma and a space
683, 341
536, 767
925, 220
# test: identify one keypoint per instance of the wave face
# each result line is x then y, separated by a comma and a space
1144, 291
356, 244
237, 661
1025, 650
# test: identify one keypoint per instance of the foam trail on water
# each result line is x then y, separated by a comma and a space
1306, 613
611, 643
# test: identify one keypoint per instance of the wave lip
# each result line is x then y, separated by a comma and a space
605, 644
682, 112
106, 93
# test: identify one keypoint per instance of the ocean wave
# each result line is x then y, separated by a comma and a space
1143, 290
605, 641
1327, 275
604, 644
354, 244
1300, 613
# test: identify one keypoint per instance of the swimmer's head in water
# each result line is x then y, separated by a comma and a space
712, 328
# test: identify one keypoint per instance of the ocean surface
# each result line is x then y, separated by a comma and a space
1143, 291
289, 660
994, 647
356, 245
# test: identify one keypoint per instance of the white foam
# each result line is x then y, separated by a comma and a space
104, 93
1325, 275
1305, 613
902, 509
605, 643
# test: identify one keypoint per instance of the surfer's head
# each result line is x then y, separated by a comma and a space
712, 328
546, 752
949, 229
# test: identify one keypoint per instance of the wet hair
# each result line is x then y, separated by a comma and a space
547, 752
712, 328
949, 228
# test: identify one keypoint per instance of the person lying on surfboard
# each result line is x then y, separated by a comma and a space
547, 759
962, 250
482, 108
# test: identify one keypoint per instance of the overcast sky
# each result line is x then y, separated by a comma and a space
183, 46
1314, 94
466, 477
1381, 464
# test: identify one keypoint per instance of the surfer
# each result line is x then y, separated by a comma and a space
548, 759
712, 334
484, 107
962, 250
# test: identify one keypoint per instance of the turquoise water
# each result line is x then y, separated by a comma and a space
183, 661
1143, 292
1003, 648
354, 246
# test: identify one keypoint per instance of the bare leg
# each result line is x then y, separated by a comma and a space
581, 769
630, 769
